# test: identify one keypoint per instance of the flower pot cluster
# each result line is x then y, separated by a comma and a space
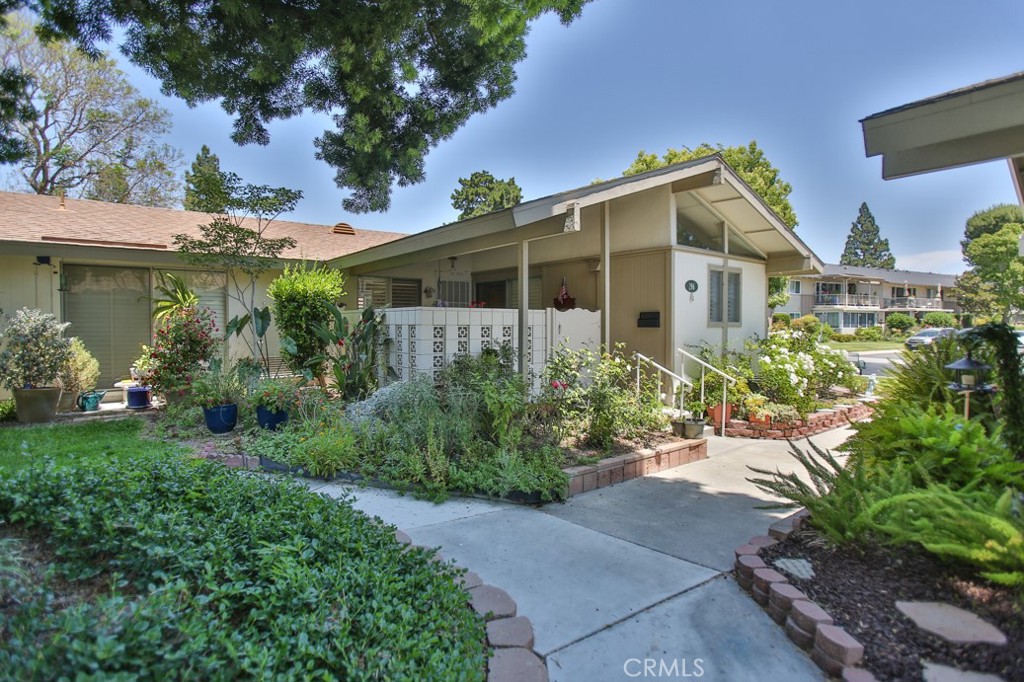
219, 393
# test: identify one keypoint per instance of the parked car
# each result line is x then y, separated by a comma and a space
926, 337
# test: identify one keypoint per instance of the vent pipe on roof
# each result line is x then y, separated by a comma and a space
343, 228
63, 206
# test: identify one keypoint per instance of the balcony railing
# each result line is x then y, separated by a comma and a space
858, 300
917, 303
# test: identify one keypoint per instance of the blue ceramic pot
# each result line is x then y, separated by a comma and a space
138, 397
221, 419
270, 420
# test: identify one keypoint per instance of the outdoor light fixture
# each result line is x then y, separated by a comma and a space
572, 217
970, 378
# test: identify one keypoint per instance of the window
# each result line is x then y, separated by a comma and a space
858, 319
373, 291
405, 293
454, 293
388, 291
830, 288
699, 235
724, 291
903, 292
831, 319
794, 287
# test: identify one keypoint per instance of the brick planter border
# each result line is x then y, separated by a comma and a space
809, 626
583, 479
816, 422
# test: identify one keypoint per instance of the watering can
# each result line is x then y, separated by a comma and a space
89, 401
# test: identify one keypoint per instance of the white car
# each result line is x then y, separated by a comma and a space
927, 337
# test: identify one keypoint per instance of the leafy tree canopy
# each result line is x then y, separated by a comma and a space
990, 221
398, 76
206, 186
483, 193
865, 246
84, 126
999, 270
755, 169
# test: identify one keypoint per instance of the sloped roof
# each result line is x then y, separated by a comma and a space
881, 274
42, 219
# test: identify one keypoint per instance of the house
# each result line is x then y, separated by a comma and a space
95, 265
667, 259
664, 260
848, 297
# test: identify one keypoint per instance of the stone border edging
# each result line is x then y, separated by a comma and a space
509, 636
583, 479
816, 422
809, 626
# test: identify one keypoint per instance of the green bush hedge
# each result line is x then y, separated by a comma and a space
939, 319
183, 570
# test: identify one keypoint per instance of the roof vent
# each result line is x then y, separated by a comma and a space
343, 228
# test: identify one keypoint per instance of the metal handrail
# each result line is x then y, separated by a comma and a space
703, 369
640, 357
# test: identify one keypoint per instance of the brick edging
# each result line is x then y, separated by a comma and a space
809, 626
816, 422
583, 479
509, 636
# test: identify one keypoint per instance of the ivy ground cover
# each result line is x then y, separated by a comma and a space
158, 567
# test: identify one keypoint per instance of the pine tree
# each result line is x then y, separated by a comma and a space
483, 193
206, 187
864, 246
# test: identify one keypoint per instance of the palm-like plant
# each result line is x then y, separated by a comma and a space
176, 295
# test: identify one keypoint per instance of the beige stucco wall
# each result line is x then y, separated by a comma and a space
639, 283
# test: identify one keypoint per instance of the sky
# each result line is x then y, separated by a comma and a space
631, 75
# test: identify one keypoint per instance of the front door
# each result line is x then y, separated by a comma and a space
109, 310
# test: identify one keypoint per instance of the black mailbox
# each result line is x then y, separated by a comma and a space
651, 319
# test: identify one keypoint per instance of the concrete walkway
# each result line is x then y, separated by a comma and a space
630, 579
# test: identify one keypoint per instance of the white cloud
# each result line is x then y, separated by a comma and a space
947, 261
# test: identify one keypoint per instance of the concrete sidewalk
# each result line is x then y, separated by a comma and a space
622, 576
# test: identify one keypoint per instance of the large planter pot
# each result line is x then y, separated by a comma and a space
715, 413
67, 401
221, 419
270, 420
36, 405
138, 397
694, 428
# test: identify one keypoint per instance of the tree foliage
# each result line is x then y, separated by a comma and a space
865, 246
1000, 271
975, 295
397, 77
755, 169
302, 298
89, 129
205, 185
483, 193
990, 221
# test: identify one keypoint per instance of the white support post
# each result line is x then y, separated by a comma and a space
524, 307
606, 277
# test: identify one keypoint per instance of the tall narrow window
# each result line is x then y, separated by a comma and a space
715, 296
725, 293
733, 299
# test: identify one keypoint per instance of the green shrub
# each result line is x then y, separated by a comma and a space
185, 340
795, 370
7, 410
301, 298
868, 333
328, 451
920, 378
899, 322
33, 350
812, 326
843, 338
781, 320
939, 319
181, 570
81, 371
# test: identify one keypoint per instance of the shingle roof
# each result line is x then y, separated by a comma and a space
991, 83
910, 276
35, 218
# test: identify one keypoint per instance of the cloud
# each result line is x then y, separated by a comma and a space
948, 261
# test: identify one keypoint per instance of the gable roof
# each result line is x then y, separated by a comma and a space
38, 219
881, 274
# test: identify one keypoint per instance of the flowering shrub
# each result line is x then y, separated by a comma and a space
794, 370
34, 350
276, 395
184, 342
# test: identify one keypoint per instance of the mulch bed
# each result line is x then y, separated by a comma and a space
621, 446
859, 588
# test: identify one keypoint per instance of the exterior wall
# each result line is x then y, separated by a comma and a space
690, 323
642, 221
639, 283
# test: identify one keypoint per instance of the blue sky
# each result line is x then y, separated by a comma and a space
797, 76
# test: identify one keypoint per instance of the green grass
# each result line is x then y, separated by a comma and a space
858, 346
91, 442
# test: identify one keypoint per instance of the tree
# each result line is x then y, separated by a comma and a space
483, 193
990, 221
236, 241
205, 188
864, 245
975, 295
90, 129
756, 170
999, 269
397, 77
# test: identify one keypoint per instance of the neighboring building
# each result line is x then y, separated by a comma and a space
96, 264
848, 297
667, 259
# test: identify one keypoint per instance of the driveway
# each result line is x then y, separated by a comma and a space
624, 576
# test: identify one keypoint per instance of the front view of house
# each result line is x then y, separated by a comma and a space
667, 259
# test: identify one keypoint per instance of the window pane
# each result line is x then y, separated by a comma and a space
739, 246
734, 297
698, 235
373, 291
794, 286
454, 293
715, 296
405, 293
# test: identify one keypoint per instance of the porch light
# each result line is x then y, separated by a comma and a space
970, 377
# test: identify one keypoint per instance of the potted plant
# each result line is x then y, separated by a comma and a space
756, 407
274, 399
693, 425
78, 374
34, 351
218, 394
186, 340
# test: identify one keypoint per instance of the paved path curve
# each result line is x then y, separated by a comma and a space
627, 582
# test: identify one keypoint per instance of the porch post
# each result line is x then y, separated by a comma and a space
524, 306
606, 278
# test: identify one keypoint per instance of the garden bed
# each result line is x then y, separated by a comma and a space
859, 588
816, 422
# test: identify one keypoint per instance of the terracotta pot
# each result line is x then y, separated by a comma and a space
36, 405
765, 421
715, 413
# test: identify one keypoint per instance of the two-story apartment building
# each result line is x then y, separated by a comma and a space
848, 297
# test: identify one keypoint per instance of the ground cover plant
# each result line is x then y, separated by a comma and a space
91, 442
166, 568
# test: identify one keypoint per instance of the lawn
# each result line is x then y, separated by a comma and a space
861, 346
84, 443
